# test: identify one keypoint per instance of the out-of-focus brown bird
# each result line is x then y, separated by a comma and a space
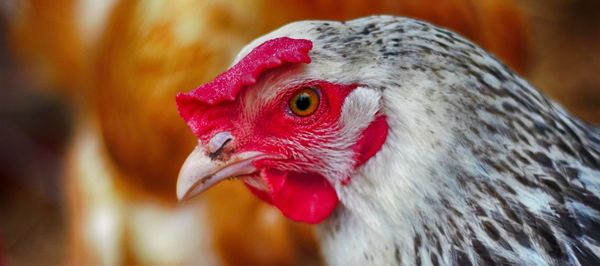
567, 53
130, 141
55, 39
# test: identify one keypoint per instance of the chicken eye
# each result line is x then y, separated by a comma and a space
304, 102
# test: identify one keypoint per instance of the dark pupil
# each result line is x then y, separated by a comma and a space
303, 102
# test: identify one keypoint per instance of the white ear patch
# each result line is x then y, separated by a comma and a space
359, 111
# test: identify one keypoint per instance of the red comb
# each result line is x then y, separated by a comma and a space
226, 86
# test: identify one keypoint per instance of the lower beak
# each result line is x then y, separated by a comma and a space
199, 172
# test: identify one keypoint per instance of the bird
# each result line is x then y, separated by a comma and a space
101, 41
403, 142
107, 57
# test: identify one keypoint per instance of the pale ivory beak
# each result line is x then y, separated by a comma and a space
199, 172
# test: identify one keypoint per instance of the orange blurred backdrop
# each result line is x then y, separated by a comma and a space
92, 142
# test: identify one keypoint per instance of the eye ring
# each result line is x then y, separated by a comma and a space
304, 102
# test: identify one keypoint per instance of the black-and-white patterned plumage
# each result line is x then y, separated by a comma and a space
479, 168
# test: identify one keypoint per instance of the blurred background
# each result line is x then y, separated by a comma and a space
91, 143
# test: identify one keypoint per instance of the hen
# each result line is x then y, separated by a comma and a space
407, 144
121, 61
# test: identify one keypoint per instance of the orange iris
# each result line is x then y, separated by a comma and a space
304, 102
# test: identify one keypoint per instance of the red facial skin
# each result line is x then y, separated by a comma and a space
293, 182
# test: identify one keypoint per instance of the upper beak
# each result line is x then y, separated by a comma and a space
199, 172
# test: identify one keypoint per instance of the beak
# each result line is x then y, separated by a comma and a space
199, 172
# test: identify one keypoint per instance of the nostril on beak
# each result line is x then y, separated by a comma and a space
217, 143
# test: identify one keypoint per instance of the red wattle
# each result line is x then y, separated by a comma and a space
302, 197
